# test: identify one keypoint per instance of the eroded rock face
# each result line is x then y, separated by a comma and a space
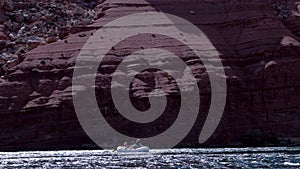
25, 25
258, 42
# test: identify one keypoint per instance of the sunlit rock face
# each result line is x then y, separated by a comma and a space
258, 43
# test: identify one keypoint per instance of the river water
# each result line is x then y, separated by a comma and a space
280, 157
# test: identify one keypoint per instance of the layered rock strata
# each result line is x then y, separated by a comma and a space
258, 43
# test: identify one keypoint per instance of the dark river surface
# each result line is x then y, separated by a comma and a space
280, 157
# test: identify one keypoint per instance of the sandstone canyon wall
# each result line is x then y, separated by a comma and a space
258, 42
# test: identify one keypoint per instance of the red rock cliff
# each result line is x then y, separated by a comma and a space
258, 42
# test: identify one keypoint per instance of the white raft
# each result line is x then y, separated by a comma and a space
123, 149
